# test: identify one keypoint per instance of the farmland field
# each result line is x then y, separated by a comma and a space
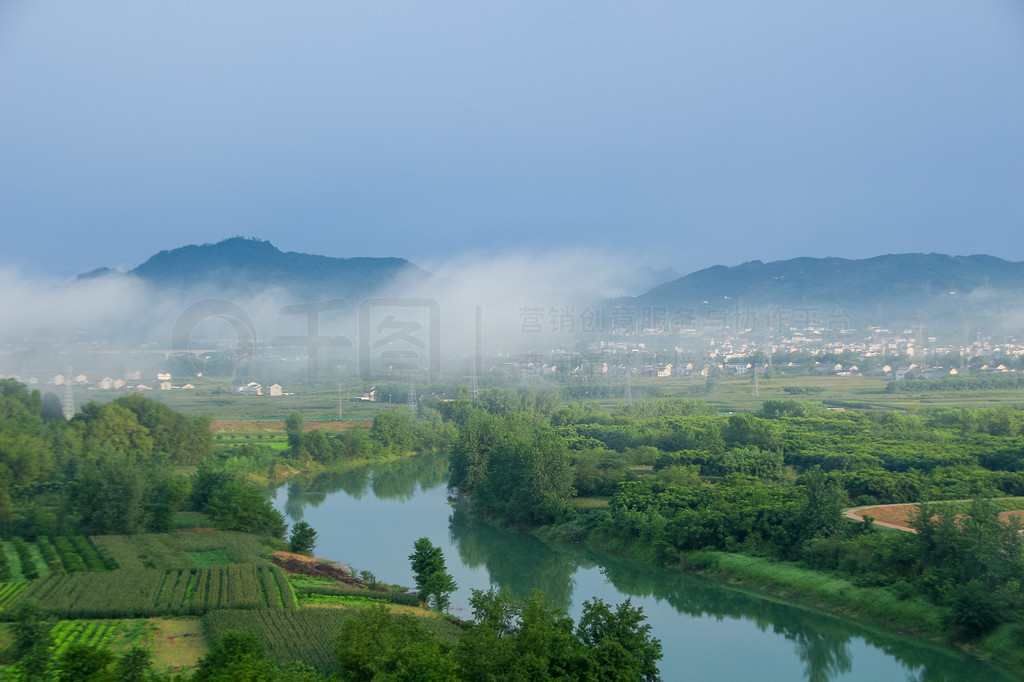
735, 394
306, 635
148, 593
176, 550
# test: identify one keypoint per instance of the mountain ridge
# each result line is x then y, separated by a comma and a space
845, 279
248, 265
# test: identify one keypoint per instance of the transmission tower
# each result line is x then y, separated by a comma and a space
67, 403
413, 402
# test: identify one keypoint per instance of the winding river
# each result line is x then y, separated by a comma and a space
369, 518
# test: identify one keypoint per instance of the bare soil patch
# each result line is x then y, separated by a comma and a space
1014, 514
297, 563
899, 515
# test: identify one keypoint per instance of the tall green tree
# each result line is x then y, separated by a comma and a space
293, 428
433, 581
33, 643
529, 474
393, 430
303, 538
477, 438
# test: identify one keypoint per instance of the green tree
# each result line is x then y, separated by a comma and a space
134, 665
471, 452
619, 643
239, 506
433, 581
111, 496
236, 656
293, 427
374, 645
83, 662
113, 427
316, 446
529, 474
33, 643
393, 430
303, 538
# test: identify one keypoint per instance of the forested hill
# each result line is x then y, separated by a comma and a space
245, 265
895, 284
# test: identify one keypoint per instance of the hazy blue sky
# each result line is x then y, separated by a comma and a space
683, 134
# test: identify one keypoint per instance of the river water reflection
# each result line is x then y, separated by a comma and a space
370, 519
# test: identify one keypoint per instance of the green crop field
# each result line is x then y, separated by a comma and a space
737, 394
306, 635
176, 550
148, 593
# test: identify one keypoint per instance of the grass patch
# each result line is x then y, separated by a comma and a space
210, 557
178, 643
789, 581
187, 520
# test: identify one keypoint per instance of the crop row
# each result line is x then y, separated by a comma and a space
5, 565
308, 635
62, 555
100, 633
49, 554
77, 554
141, 594
29, 569
308, 593
9, 591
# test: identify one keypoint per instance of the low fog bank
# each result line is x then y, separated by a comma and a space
505, 308
503, 302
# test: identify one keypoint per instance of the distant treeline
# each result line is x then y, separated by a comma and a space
974, 382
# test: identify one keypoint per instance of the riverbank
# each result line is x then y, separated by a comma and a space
878, 607
285, 469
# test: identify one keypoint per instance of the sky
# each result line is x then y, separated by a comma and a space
677, 134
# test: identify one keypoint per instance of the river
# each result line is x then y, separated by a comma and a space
370, 518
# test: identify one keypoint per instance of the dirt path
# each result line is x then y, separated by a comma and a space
898, 516
885, 515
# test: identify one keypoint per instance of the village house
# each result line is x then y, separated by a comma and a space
251, 388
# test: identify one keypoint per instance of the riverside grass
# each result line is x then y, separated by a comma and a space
875, 606
792, 583
789, 581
